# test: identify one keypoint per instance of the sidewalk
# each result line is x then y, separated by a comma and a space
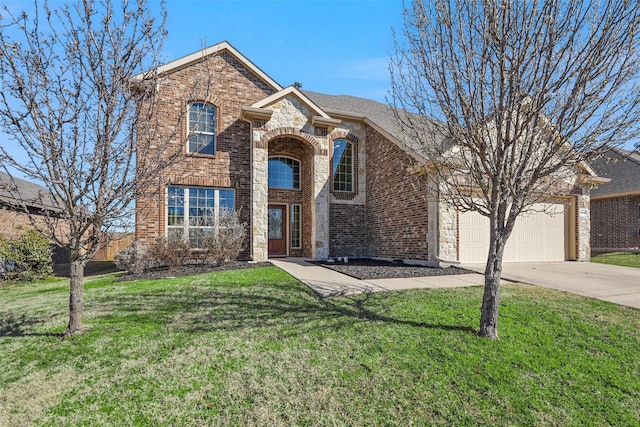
620, 285
329, 283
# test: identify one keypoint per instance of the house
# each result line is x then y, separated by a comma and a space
615, 206
17, 197
320, 176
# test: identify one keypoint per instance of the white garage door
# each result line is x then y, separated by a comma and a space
538, 236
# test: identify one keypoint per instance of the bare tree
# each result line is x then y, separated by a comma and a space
505, 98
80, 121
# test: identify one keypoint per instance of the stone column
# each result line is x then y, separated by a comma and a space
583, 204
259, 204
442, 226
448, 232
321, 197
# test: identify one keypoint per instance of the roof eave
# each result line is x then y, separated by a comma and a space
195, 57
615, 195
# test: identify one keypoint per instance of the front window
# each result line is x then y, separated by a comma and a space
296, 221
342, 165
284, 173
202, 128
194, 212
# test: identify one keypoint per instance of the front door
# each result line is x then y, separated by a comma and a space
277, 230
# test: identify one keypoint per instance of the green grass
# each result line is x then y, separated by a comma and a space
618, 258
255, 347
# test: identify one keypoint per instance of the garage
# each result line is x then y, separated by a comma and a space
537, 236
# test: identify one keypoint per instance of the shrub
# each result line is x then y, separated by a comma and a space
134, 258
226, 242
26, 258
172, 252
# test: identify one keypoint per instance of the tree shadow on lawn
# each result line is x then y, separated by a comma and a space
19, 326
261, 306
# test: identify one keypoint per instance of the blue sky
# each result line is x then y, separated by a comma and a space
330, 46
334, 47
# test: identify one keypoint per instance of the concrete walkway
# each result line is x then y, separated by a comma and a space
620, 285
329, 283
613, 283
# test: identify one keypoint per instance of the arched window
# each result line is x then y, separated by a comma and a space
284, 173
342, 165
202, 128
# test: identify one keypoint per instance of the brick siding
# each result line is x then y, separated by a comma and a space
302, 152
348, 234
396, 214
392, 224
231, 86
615, 223
14, 223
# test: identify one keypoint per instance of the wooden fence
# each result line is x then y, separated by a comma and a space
117, 242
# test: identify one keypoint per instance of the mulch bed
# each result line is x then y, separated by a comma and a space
368, 269
363, 269
188, 270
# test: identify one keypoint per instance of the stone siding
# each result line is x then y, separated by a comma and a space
289, 133
15, 223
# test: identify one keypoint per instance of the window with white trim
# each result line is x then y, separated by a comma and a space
202, 128
194, 212
342, 165
296, 227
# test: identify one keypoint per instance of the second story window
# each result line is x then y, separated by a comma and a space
202, 128
284, 173
342, 165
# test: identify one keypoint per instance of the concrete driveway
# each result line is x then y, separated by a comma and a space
620, 285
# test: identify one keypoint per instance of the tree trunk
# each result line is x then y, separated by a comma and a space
76, 304
491, 295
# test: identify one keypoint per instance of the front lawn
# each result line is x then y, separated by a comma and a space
255, 347
618, 258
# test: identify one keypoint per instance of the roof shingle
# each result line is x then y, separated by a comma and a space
33, 195
623, 167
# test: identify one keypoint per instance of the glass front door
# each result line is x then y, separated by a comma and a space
277, 230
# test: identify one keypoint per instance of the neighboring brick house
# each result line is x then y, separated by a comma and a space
18, 196
319, 176
615, 206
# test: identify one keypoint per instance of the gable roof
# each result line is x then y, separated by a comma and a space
623, 167
327, 107
292, 90
218, 48
376, 114
381, 117
351, 106
29, 193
